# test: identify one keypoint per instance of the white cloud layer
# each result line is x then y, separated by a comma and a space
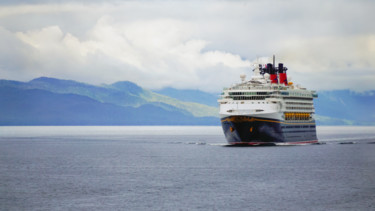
189, 44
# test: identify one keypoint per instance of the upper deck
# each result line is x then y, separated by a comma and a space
267, 93
266, 83
248, 92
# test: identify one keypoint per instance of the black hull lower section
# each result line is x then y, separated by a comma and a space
245, 130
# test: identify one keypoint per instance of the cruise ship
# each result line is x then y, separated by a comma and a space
268, 110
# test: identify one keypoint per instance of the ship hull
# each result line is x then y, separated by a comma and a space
248, 130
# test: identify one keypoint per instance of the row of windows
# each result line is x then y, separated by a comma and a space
299, 108
267, 93
249, 98
294, 103
244, 102
300, 94
284, 93
296, 94
297, 116
249, 93
298, 98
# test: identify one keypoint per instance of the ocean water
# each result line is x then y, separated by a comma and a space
182, 168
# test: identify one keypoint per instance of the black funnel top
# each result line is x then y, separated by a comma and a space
281, 68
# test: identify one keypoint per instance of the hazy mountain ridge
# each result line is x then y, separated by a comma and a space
110, 94
199, 110
126, 103
345, 107
187, 95
102, 94
123, 93
41, 107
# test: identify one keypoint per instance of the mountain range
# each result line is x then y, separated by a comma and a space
52, 101
345, 107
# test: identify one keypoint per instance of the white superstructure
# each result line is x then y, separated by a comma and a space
258, 97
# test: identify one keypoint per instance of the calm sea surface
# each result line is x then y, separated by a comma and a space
182, 168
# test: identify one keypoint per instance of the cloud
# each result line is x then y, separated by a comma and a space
340, 62
189, 44
153, 53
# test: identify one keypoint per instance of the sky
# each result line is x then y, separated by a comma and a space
206, 45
